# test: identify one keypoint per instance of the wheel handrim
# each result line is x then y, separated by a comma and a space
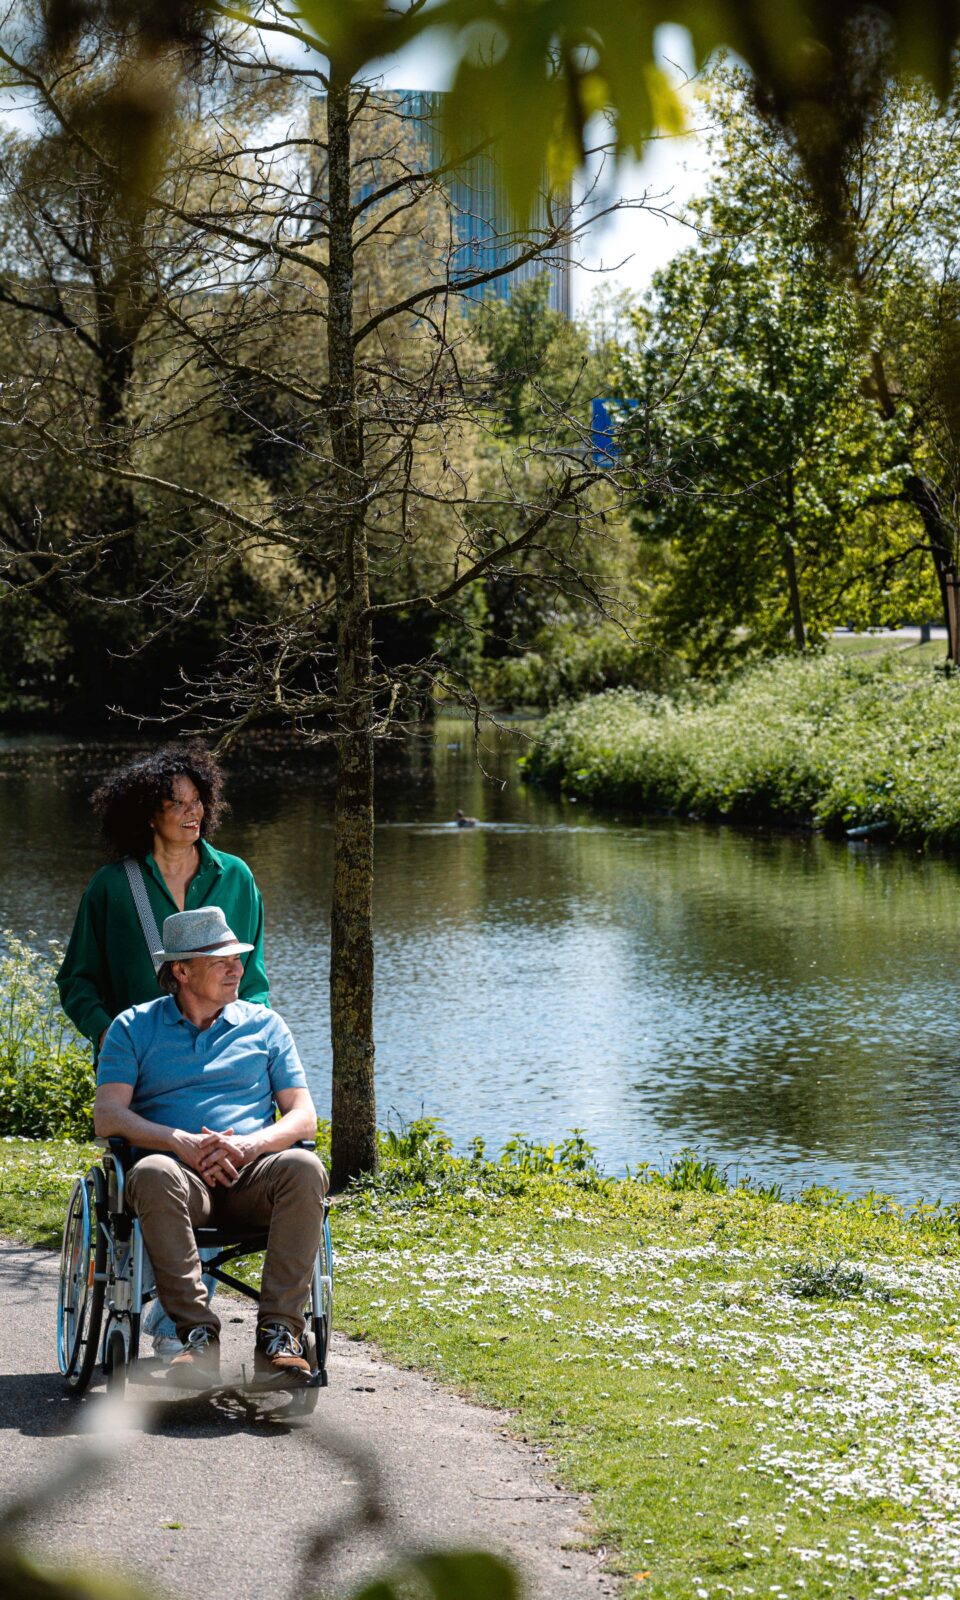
76, 1279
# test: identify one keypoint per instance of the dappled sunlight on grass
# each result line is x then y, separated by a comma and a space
760, 1395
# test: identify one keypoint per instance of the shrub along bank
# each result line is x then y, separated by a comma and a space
828, 741
47, 1080
759, 1395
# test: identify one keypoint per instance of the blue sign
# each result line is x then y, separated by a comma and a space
606, 419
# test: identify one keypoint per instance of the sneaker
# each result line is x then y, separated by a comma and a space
279, 1355
165, 1348
198, 1363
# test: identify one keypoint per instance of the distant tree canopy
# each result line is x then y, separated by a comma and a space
798, 408
150, 350
793, 482
85, 350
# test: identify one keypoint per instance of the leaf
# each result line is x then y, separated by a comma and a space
355, 33
537, 69
448, 1575
468, 1575
21, 1579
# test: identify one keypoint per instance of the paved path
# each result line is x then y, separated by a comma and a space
247, 1489
902, 638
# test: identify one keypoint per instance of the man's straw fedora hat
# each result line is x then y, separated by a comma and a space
203, 932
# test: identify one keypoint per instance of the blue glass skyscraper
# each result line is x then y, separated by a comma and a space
484, 232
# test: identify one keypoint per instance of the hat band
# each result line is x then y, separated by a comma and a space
206, 949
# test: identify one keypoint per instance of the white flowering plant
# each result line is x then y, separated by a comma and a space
47, 1080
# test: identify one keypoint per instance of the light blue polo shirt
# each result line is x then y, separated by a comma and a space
224, 1076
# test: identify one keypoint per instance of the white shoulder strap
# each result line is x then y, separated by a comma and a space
148, 921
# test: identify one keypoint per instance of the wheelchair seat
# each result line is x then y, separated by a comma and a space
102, 1290
212, 1236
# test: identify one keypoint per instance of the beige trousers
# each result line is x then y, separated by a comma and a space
282, 1192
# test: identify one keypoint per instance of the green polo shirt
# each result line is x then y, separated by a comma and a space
107, 966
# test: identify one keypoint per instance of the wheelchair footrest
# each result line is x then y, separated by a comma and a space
281, 1383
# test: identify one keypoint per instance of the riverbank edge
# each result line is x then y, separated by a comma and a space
838, 746
401, 1254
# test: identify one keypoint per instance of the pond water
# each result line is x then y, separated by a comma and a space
785, 1005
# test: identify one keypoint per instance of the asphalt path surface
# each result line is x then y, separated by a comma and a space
228, 1498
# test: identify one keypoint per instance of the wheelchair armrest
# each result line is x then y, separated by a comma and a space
123, 1150
117, 1161
120, 1149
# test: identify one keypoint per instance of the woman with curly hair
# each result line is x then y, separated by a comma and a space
158, 811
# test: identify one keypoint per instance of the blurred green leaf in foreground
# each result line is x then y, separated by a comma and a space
436, 1575
533, 73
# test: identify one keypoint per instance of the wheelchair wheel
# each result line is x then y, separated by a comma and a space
321, 1319
115, 1362
83, 1261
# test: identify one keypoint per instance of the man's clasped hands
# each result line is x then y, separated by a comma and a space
218, 1157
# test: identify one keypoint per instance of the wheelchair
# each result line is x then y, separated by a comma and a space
103, 1293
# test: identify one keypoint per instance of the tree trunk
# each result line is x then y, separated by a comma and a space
942, 542
104, 630
941, 532
351, 931
790, 566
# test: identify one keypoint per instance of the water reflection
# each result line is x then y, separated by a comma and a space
781, 1003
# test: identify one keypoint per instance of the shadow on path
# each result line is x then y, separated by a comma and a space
39, 1405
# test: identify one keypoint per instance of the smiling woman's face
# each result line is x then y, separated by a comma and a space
177, 821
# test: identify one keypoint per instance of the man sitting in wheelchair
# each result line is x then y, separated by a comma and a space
193, 1082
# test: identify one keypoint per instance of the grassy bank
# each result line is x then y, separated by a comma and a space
760, 1396
830, 741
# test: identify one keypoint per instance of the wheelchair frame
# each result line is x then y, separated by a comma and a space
102, 1271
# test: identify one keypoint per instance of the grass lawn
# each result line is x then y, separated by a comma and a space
877, 644
760, 1396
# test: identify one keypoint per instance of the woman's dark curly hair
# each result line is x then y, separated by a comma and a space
127, 801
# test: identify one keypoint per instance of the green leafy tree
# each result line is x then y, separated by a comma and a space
544, 372
541, 359
82, 275
798, 503
899, 199
903, 205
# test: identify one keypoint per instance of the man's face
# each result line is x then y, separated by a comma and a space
210, 980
